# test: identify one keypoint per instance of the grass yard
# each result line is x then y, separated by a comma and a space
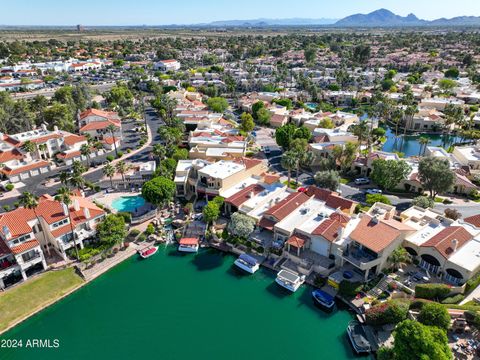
34, 294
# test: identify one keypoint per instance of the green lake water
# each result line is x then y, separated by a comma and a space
176, 306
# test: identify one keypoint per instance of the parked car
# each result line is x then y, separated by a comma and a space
374, 191
266, 150
362, 181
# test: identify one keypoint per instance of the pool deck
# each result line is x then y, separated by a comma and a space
106, 199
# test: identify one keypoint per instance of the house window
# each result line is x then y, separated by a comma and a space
30, 255
60, 223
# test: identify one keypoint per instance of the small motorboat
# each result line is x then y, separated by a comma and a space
323, 299
358, 338
148, 251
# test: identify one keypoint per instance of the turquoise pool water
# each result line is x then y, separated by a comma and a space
128, 203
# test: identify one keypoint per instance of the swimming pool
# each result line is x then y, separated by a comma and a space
128, 203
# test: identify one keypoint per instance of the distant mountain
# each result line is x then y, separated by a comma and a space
273, 22
386, 18
380, 17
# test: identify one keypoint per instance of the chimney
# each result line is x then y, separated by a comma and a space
454, 244
55, 128
65, 209
375, 219
86, 212
339, 233
76, 205
252, 194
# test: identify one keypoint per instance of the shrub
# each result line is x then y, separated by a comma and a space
374, 198
126, 216
389, 312
110, 158
453, 299
418, 304
453, 214
9, 187
134, 233
432, 291
150, 230
119, 154
349, 289
473, 318
472, 283
249, 154
142, 237
6, 207
434, 314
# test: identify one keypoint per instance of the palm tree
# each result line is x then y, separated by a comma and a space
423, 141
77, 181
86, 151
159, 151
30, 201
399, 257
64, 178
122, 167
78, 168
109, 170
29, 146
64, 195
112, 128
410, 112
289, 162
43, 148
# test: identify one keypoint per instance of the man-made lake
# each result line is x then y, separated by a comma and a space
175, 306
411, 146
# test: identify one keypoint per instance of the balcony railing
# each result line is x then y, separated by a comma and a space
5, 264
359, 259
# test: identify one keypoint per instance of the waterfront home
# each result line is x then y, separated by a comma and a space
373, 240
439, 103
468, 156
96, 123
426, 119
444, 248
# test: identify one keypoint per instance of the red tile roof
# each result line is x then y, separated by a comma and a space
9, 155
287, 205
27, 245
38, 164
266, 224
332, 199
101, 113
474, 220
96, 125
243, 195
296, 241
329, 228
73, 139
374, 234
443, 241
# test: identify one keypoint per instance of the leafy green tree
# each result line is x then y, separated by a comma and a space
374, 198
452, 73
310, 54
256, 107
326, 123
159, 190
112, 230
60, 115
288, 132
328, 179
344, 155
180, 154
389, 173
435, 314
263, 116
435, 175
217, 104
247, 125
413, 341
211, 212
120, 97
423, 202
241, 225
447, 84
284, 102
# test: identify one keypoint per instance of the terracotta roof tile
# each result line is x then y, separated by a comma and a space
27, 245
287, 205
443, 241
474, 220
243, 195
374, 234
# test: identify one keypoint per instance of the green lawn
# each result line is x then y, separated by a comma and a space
32, 295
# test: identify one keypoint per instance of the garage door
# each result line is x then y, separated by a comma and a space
320, 246
34, 172
24, 176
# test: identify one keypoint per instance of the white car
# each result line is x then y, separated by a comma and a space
374, 191
362, 181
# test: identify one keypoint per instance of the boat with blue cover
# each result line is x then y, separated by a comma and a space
247, 263
323, 299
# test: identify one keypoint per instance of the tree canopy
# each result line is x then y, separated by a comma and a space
159, 190
241, 225
435, 175
389, 173
111, 230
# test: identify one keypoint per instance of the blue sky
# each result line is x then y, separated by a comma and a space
158, 12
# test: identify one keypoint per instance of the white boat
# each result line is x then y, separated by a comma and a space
289, 280
148, 251
358, 338
247, 263
190, 245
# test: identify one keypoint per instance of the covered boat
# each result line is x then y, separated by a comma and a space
247, 263
188, 245
323, 299
289, 280
358, 338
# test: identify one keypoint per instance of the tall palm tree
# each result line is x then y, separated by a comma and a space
78, 168
43, 148
423, 141
30, 201
289, 162
109, 170
159, 151
399, 257
64, 178
122, 167
77, 181
86, 151
64, 196
112, 128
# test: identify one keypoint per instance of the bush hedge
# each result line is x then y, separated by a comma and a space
473, 283
389, 312
453, 299
349, 289
432, 291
